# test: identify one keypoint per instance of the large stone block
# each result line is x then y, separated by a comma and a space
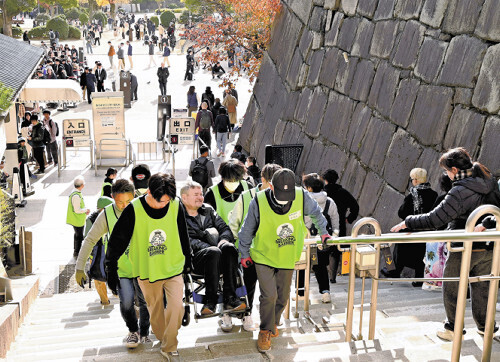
433, 12
294, 73
357, 129
384, 10
383, 38
279, 131
302, 110
488, 25
375, 143
487, 91
464, 129
461, 16
305, 43
291, 105
402, 156
247, 129
363, 40
332, 34
307, 142
315, 67
362, 80
328, 73
403, 103
267, 73
302, 9
333, 157
411, 38
370, 194
345, 75
386, 211
462, 61
317, 19
431, 114
349, 6
314, 157
347, 33
367, 7
430, 58
353, 176
332, 4
463, 96
490, 147
384, 88
315, 112
408, 9
337, 118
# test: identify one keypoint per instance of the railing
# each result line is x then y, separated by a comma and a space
113, 142
467, 237
168, 151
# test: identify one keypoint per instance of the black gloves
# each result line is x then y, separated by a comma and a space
112, 278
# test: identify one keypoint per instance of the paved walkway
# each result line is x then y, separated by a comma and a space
45, 213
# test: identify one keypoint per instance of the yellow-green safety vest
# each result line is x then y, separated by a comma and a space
223, 207
72, 217
124, 266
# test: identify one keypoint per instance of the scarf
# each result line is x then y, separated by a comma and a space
417, 197
461, 174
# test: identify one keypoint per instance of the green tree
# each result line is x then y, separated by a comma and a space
6, 94
11, 8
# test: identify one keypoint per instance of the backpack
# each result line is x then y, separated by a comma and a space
46, 136
205, 121
314, 231
57, 127
200, 172
97, 270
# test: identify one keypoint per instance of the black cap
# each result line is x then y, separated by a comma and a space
140, 176
284, 185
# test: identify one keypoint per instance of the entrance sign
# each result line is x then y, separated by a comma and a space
76, 132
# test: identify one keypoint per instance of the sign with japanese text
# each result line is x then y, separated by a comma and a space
182, 131
76, 128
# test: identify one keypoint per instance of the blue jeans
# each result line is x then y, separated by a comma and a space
129, 288
221, 141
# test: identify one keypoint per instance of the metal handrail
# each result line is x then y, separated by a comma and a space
127, 149
467, 237
168, 146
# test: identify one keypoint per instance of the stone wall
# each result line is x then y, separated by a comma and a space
421, 76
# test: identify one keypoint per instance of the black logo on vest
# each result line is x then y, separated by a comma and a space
285, 235
157, 240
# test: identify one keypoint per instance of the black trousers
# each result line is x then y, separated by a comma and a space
411, 256
89, 91
163, 87
78, 238
38, 154
100, 86
210, 262
134, 93
205, 135
250, 279
320, 271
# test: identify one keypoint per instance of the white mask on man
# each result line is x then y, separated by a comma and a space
281, 202
231, 186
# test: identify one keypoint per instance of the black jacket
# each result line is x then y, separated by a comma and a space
163, 74
344, 201
222, 124
464, 197
100, 75
197, 229
37, 135
428, 197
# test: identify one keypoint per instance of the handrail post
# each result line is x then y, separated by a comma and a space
493, 291
350, 295
374, 292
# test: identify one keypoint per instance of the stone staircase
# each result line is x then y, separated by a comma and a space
74, 326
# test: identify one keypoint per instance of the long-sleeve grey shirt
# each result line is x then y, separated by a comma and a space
98, 230
252, 220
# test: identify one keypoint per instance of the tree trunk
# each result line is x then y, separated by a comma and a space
7, 24
92, 6
112, 10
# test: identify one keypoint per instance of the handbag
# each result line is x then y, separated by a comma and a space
231, 108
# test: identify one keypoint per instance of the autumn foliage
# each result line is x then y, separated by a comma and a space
243, 23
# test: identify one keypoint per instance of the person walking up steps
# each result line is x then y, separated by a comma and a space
154, 229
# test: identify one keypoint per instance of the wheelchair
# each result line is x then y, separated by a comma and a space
194, 286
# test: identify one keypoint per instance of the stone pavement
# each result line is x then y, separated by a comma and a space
45, 213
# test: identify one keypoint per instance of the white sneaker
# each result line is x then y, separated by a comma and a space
248, 324
146, 340
226, 323
132, 340
326, 298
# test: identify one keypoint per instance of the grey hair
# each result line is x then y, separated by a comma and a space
190, 185
78, 181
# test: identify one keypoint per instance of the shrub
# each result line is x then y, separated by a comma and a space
184, 18
167, 17
74, 33
39, 32
42, 18
178, 11
172, 6
100, 16
62, 16
73, 14
60, 25
17, 32
84, 18
155, 20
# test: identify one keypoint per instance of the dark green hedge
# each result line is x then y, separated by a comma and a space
74, 33
155, 20
167, 17
39, 32
99, 15
59, 24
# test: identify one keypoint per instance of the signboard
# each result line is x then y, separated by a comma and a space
76, 132
182, 131
179, 113
109, 122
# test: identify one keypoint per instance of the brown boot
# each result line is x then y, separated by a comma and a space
264, 341
275, 333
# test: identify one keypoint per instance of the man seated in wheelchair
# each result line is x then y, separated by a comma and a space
214, 251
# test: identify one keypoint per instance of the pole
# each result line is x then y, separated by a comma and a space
350, 297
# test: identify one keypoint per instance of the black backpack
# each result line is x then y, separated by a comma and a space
314, 231
46, 136
97, 270
200, 172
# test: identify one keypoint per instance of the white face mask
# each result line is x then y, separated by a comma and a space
231, 186
281, 202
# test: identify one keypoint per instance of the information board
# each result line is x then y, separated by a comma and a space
109, 122
76, 132
182, 131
